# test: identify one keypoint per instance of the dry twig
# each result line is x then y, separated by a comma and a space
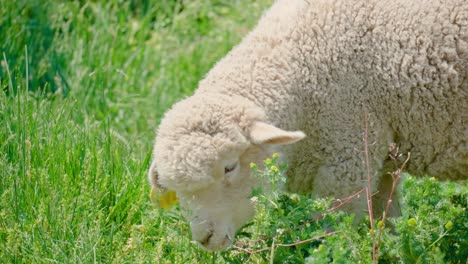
396, 175
250, 251
369, 185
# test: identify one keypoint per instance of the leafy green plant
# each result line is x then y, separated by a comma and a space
434, 225
296, 228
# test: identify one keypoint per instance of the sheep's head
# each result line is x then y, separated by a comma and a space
202, 151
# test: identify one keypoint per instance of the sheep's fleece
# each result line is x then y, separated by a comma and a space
310, 71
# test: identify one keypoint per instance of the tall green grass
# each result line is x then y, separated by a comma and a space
83, 86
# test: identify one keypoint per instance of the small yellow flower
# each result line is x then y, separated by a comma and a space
268, 161
275, 155
412, 222
252, 165
449, 225
295, 199
274, 168
380, 224
320, 248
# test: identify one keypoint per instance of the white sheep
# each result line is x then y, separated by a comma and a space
318, 66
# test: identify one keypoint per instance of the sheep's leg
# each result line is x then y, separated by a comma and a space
384, 194
346, 171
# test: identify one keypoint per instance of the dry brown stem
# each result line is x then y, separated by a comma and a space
369, 186
396, 175
250, 251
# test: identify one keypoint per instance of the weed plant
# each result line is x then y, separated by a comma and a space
294, 228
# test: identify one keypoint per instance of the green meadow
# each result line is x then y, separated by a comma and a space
83, 85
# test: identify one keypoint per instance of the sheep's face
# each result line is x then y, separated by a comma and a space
203, 154
218, 210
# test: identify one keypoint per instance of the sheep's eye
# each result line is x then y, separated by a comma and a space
230, 168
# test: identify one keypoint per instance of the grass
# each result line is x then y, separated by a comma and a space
83, 85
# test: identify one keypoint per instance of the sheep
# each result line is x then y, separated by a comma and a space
315, 68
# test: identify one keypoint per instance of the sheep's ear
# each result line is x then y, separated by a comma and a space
262, 133
159, 196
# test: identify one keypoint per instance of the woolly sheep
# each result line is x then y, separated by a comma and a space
315, 68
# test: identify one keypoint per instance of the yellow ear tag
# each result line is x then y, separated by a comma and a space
166, 200
153, 196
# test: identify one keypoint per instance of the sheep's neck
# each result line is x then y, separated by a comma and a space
266, 68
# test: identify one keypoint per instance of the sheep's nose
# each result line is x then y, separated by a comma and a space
206, 240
